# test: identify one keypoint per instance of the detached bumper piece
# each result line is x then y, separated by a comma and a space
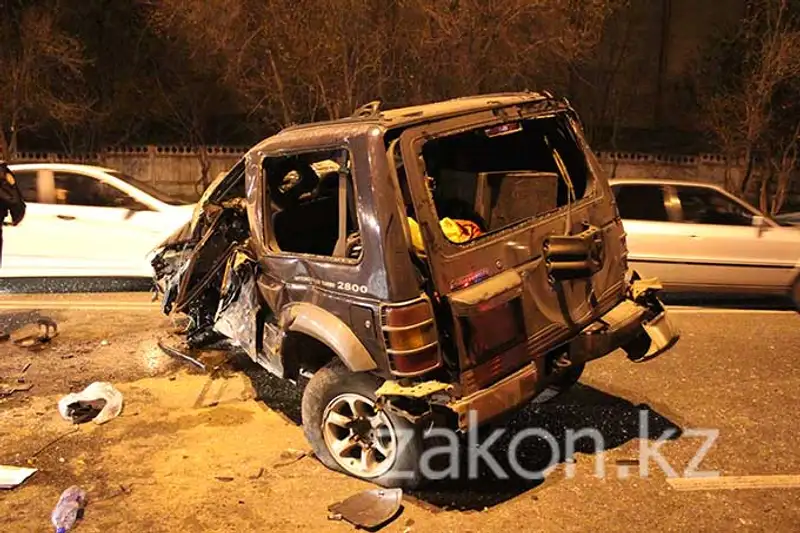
639, 325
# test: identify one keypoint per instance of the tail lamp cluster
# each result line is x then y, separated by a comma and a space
493, 329
412, 341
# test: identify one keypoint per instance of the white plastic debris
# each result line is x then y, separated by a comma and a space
91, 395
12, 476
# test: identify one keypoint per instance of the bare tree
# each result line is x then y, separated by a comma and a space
308, 59
742, 91
41, 66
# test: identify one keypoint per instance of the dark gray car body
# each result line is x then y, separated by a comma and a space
295, 311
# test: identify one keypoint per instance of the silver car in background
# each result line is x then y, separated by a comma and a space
789, 219
699, 238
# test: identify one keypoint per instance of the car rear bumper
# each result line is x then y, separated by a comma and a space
639, 324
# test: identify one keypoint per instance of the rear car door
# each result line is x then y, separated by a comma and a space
727, 252
505, 170
650, 232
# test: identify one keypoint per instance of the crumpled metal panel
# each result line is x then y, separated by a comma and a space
239, 307
663, 335
642, 287
368, 509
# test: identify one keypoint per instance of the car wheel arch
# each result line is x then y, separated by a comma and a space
304, 323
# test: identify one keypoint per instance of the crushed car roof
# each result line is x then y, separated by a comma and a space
371, 115
419, 113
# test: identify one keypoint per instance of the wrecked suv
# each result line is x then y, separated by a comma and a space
440, 264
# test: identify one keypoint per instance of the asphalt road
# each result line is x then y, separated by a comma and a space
734, 374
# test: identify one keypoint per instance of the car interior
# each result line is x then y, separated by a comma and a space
305, 204
503, 175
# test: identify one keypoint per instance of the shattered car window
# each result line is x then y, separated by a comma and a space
312, 204
487, 179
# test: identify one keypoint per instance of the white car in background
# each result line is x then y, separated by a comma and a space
699, 238
87, 221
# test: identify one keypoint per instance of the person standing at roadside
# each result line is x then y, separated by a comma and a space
11, 201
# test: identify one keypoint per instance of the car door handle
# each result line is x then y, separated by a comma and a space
694, 236
66, 217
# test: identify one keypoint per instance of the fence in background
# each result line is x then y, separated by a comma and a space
176, 169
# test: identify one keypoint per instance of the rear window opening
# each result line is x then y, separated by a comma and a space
496, 177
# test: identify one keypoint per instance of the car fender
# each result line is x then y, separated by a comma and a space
330, 330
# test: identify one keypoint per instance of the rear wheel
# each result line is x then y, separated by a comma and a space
349, 433
796, 293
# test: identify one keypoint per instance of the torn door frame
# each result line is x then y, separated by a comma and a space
242, 316
238, 314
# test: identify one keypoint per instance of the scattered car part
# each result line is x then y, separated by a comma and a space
369, 509
50, 443
290, 456
15, 388
13, 476
99, 402
48, 330
258, 474
175, 352
789, 219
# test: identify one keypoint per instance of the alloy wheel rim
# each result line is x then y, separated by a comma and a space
359, 436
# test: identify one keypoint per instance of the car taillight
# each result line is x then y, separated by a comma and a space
493, 329
411, 338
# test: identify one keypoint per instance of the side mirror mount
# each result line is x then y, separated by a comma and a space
760, 224
129, 213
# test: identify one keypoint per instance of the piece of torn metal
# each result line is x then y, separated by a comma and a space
640, 288
174, 352
14, 476
239, 307
290, 456
99, 402
8, 391
368, 509
416, 390
48, 330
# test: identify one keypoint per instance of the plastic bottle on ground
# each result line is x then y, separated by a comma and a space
68, 508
